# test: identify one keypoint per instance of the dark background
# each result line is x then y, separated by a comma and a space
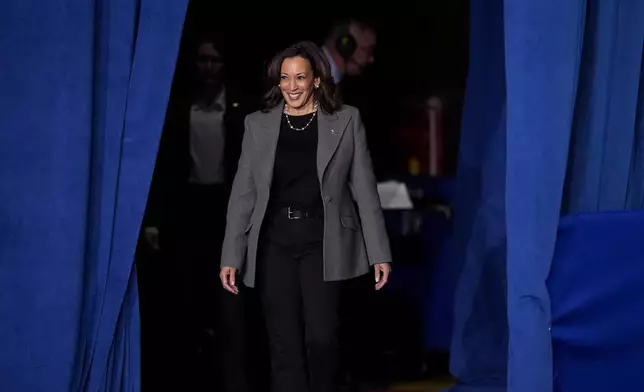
421, 51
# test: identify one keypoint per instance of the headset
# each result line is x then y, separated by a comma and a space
346, 44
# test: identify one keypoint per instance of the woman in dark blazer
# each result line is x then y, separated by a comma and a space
304, 214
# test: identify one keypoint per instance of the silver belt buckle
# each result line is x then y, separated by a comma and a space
291, 214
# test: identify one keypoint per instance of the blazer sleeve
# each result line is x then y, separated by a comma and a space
365, 192
241, 205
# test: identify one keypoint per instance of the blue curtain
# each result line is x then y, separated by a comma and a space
606, 169
552, 125
595, 286
573, 84
479, 339
84, 90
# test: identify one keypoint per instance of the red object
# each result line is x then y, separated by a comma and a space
435, 136
421, 136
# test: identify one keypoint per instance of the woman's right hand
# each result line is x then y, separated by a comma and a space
227, 276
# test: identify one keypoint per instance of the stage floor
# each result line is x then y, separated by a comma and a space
437, 385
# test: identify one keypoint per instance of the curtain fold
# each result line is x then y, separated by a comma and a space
572, 134
85, 88
595, 284
478, 353
543, 53
605, 168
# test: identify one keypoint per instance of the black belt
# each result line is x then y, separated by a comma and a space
294, 213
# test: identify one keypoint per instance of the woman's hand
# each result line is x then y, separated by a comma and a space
227, 276
382, 272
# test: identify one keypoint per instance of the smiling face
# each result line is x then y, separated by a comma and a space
298, 84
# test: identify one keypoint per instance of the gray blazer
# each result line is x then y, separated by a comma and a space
354, 236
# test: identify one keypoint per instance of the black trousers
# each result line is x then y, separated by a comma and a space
301, 313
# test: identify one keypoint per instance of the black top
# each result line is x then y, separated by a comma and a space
295, 177
295, 184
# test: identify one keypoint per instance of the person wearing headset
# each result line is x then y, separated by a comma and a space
349, 48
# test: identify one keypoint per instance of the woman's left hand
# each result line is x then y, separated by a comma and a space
382, 272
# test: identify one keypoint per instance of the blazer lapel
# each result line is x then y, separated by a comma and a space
331, 127
267, 138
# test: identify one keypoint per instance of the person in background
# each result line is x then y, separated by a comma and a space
304, 215
349, 48
185, 220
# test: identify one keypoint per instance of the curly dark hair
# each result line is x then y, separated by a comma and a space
327, 95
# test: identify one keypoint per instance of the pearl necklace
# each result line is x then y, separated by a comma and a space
288, 120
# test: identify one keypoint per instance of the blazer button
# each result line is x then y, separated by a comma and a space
327, 199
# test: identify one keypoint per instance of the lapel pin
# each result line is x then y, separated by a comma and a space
333, 132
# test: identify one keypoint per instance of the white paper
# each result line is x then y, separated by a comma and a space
394, 196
